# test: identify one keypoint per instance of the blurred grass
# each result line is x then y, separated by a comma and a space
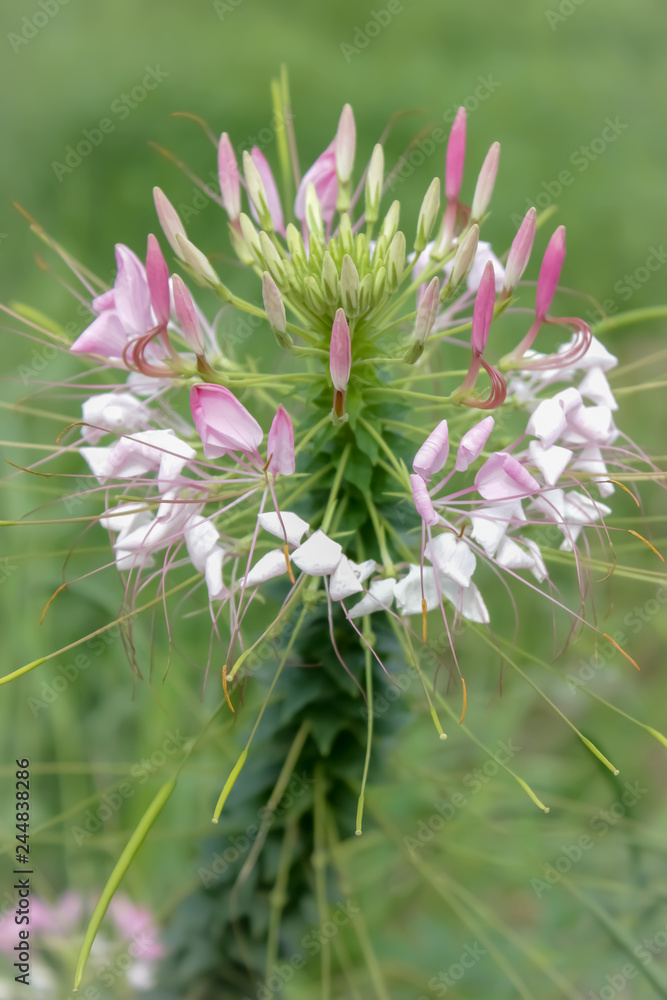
553, 91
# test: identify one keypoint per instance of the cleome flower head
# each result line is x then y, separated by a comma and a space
377, 338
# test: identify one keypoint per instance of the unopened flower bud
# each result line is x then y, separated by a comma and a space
198, 263
340, 361
552, 264
456, 149
349, 286
249, 234
390, 224
314, 213
257, 192
427, 214
345, 234
379, 285
187, 315
482, 313
169, 219
365, 293
280, 444
485, 183
427, 311
330, 281
314, 295
519, 255
374, 179
228, 175
346, 138
463, 261
274, 261
396, 260
295, 246
275, 310
270, 189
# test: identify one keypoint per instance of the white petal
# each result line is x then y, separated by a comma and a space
591, 424
594, 386
318, 555
294, 530
489, 524
551, 462
120, 412
466, 600
483, 255
344, 581
99, 461
409, 591
597, 356
379, 598
363, 570
213, 575
510, 555
452, 557
125, 517
269, 566
201, 538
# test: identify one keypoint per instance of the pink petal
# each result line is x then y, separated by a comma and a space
432, 455
280, 444
345, 144
131, 294
472, 443
550, 272
422, 500
483, 309
187, 315
456, 149
519, 255
105, 336
502, 477
340, 352
323, 175
157, 276
223, 424
228, 175
270, 189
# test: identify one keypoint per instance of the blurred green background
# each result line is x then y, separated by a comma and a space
545, 78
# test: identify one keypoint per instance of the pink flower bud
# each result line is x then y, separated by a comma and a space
345, 144
550, 272
280, 444
169, 219
485, 182
432, 455
228, 174
223, 424
422, 500
483, 310
472, 444
340, 352
157, 276
187, 315
456, 150
270, 189
519, 255
273, 304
